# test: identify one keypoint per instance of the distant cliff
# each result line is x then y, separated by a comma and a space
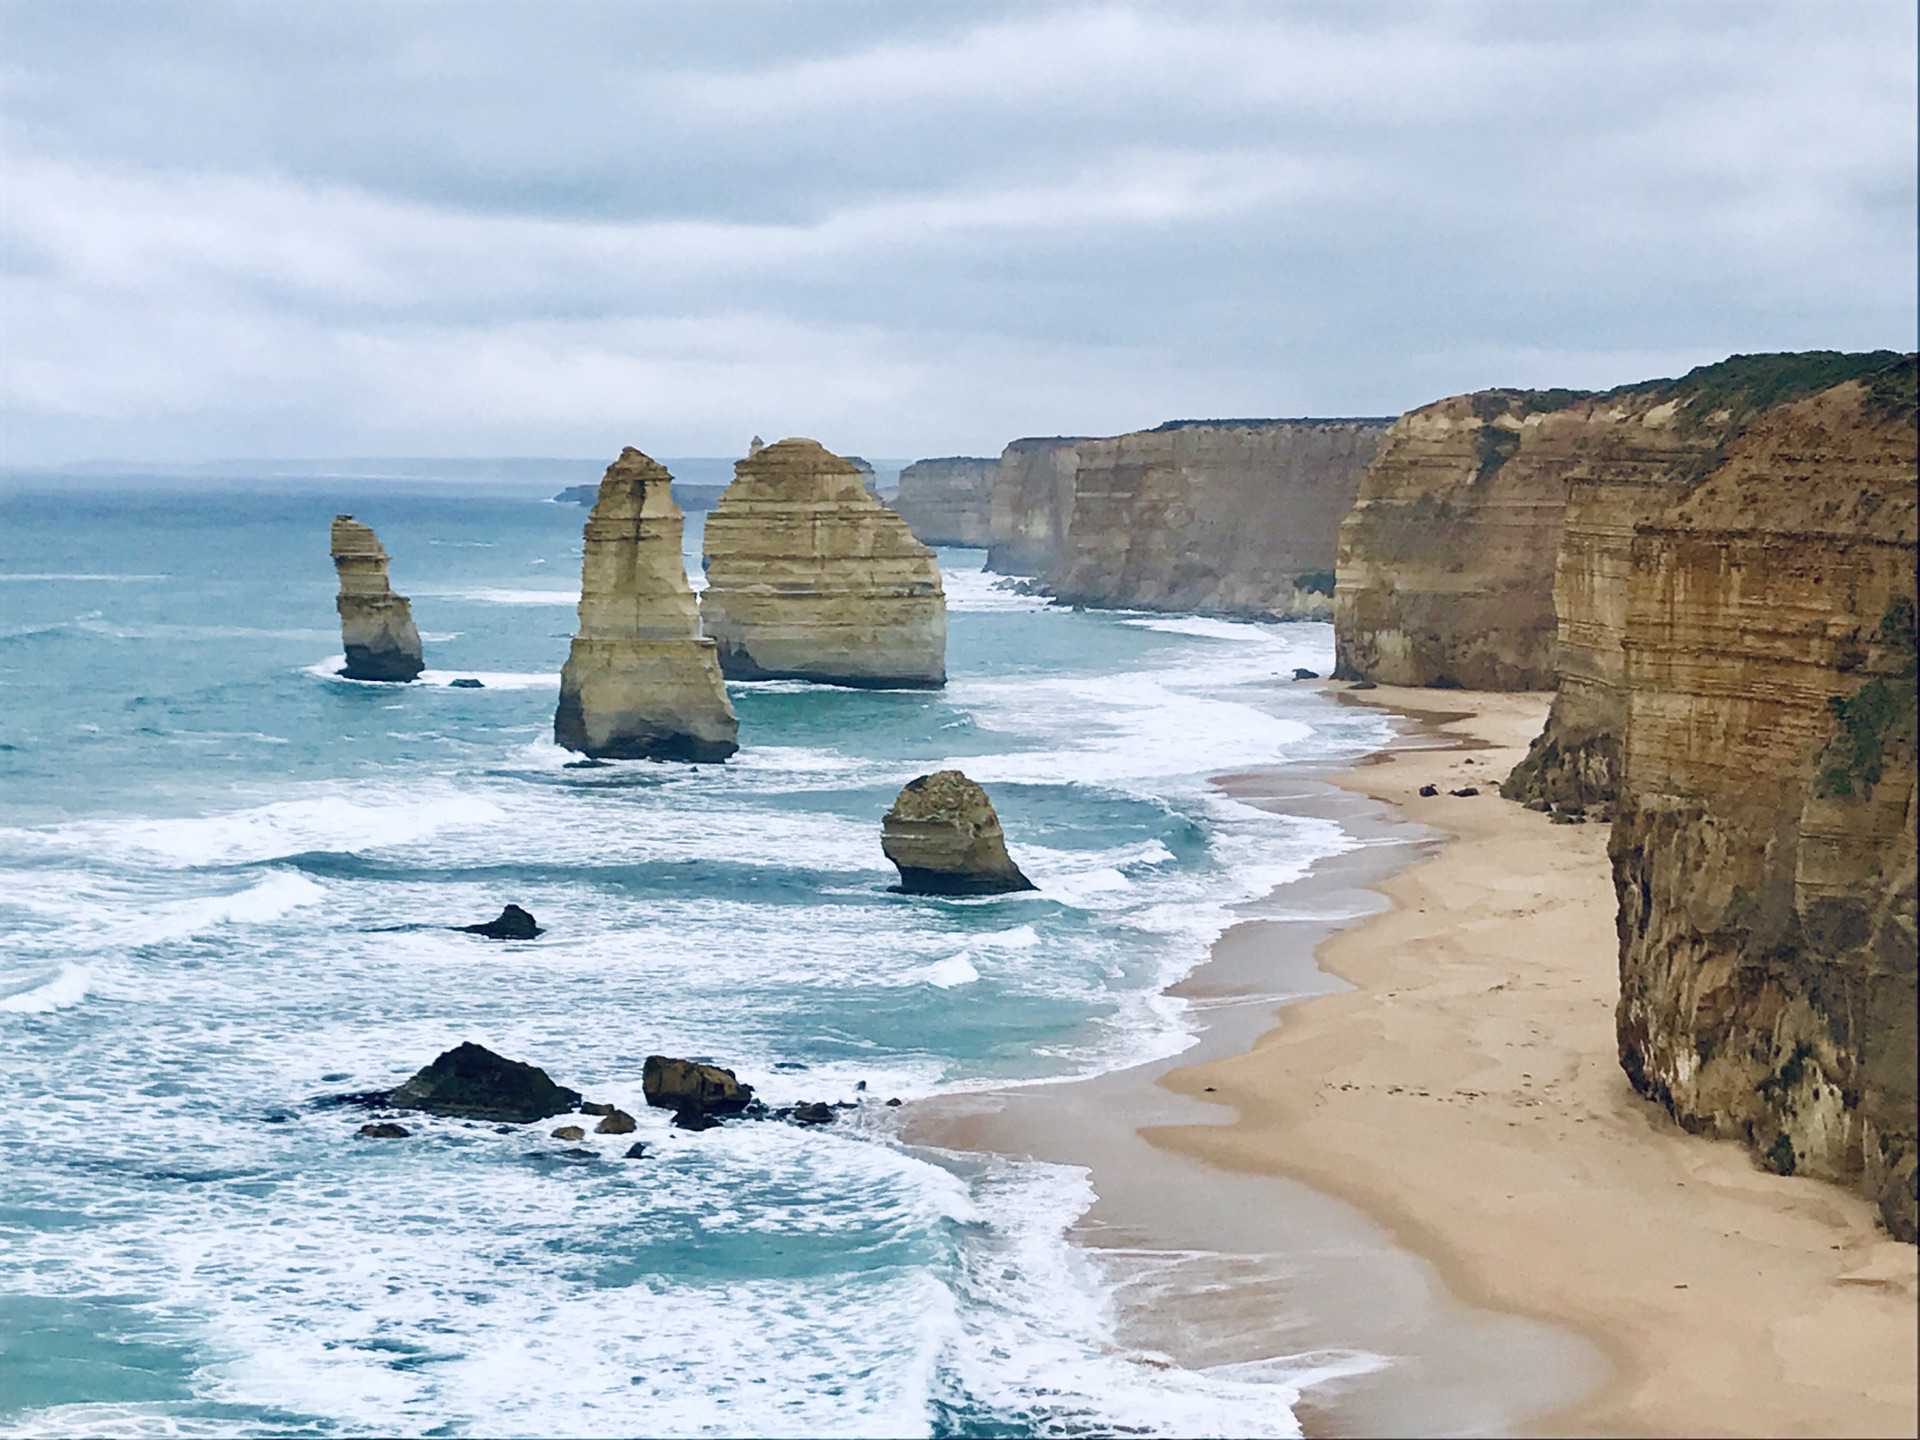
948, 501
1233, 517
1763, 849
1643, 446
690, 498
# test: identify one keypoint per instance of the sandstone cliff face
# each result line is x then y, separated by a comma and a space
1641, 447
1446, 561
810, 577
376, 625
1230, 517
1032, 505
640, 683
949, 501
1763, 850
944, 837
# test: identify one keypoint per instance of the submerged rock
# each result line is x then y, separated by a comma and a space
698, 1094
810, 577
616, 1122
376, 625
384, 1130
473, 1082
513, 924
637, 1150
641, 682
569, 1132
944, 837
467, 682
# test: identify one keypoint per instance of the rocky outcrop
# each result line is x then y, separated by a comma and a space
640, 682
700, 1095
945, 839
1763, 849
809, 577
1229, 517
1642, 448
472, 1082
376, 624
513, 924
948, 501
1445, 563
1032, 505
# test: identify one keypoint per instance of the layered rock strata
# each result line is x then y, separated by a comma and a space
641, 682
1445, 562
1031, 508
376, 625
1229, 517
944, 837
948, 501
1763, 850
810, 577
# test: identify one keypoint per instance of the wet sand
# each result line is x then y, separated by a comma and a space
1433, 1157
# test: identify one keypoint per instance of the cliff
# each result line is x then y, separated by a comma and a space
1032, 504
376, 625
640, 682
1642, 447
810, 577
1763, 849
1445, 563
1235, 517
949, 501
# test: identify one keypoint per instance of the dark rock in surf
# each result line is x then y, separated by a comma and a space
384, 1130
472, 1082
637, 1150
513, 924
699, 1095
1302, 673
569, 1132
616, 1122
466, 682
595, 1107
1429, 791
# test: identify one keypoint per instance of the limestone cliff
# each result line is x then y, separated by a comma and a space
1763, 849
1234, 517
1032, 505
810, 577
641, 682
376, 625
948, 501
1642, 447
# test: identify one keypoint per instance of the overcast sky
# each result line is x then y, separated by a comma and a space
914, 229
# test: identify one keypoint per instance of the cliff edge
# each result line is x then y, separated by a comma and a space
948, 501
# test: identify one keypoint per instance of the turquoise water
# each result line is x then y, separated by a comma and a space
227, 875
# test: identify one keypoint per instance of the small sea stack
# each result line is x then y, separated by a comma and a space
641, 682
943, 835
810, 577
376, 625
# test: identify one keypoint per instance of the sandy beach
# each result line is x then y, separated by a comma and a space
1433, 1157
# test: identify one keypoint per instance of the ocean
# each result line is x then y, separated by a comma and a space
228, 881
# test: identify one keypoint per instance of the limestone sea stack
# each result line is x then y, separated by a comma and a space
376, 625
641, 682
943, 835
810, 577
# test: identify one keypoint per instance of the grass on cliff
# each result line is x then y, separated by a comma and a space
1879, 712
1745, 385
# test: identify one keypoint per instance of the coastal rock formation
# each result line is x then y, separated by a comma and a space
512, 924
473, 1082
641, 682
699, 1095
1445, 563
1231, 517
376, 624
945, 839
1032, 505
809, 577
1763, 849
1641, 448
948, 501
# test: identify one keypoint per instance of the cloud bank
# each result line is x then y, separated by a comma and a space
480, 229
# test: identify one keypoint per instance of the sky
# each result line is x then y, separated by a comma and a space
476, 229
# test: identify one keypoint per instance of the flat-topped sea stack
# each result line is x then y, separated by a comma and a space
810, 577
641, 682
948, 501
945, 839
376, 625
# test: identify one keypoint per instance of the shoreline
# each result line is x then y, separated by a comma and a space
1403, 1131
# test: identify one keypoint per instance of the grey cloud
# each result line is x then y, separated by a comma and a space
929, 228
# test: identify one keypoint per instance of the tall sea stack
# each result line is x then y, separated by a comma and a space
810, 577
641, 682
376, 625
